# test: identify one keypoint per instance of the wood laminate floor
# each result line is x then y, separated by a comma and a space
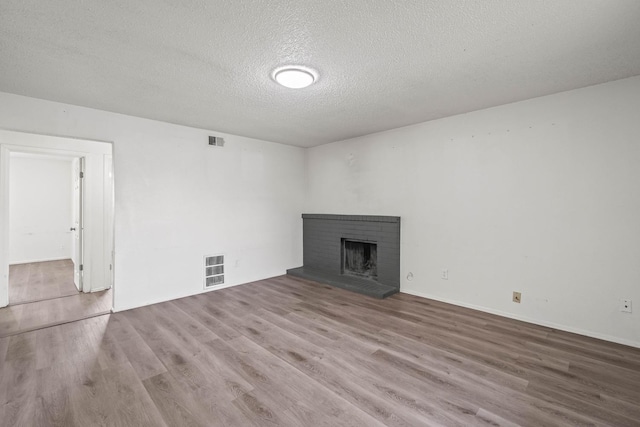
42, 294
19, 318
37, 281
288, 352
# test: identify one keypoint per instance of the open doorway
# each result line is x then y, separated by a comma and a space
45, 212
56, 257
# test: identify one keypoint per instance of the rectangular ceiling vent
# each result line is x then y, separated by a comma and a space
216, 141
213, 271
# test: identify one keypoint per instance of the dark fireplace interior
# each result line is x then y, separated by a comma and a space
360, 258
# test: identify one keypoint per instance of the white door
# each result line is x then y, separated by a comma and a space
108, 213
76, 227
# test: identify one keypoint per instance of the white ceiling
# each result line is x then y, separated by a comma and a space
382, 63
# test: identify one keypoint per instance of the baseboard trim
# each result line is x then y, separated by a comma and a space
564, 328
204, 291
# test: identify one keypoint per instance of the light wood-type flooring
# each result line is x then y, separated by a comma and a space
37, 281
42, 294
289, 352
34, 315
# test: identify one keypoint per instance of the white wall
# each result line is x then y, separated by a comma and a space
40, 209
540, 196
178, 199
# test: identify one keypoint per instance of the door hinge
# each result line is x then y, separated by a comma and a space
110, 266
81, 267
81, 174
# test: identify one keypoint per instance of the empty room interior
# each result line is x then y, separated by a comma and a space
364, 213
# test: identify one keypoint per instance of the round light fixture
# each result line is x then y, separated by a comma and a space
294, 77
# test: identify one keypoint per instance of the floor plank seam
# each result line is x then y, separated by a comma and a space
14, 304
53, 324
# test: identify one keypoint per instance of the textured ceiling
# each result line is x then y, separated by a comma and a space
382, 64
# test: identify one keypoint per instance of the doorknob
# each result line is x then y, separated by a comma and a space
72, 229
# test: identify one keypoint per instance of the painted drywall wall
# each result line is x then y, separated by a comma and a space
178, 199
540, 196
40, 209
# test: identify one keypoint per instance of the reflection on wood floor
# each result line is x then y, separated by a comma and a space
290, 352
55, 299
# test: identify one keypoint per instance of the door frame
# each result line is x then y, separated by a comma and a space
78, 212
11, 141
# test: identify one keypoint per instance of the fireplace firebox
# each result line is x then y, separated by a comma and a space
360, 258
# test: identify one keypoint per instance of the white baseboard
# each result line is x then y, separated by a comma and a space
270, 275
565, 328
38, 260
204, 291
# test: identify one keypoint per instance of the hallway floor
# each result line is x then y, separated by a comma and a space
37, 281
43, 294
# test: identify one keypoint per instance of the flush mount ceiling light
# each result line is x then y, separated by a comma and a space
294, 77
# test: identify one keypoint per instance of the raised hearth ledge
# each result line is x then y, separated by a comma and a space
349, 283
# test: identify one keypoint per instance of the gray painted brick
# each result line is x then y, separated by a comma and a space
322, 242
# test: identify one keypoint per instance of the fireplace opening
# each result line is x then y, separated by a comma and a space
360, 258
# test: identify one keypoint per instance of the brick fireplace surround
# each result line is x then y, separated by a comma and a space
324, 239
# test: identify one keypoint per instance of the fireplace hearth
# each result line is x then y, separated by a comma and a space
360, 253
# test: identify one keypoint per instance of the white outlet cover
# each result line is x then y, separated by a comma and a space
445, 275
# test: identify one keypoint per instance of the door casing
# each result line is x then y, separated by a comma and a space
11, 141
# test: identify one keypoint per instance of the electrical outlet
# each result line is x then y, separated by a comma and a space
445, 275
517, 297
625, 305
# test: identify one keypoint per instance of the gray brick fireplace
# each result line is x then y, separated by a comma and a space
360, 253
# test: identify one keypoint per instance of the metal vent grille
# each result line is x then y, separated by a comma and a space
213, 271
216, 141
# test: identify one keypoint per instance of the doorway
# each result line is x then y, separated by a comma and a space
56, 257
45, 213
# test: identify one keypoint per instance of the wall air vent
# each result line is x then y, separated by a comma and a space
213, 271
216, 141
